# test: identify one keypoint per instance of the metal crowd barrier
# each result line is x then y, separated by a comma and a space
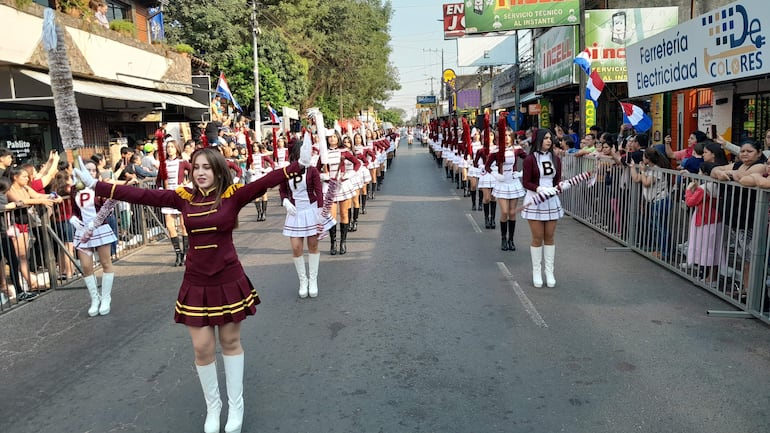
44, 256
727, 255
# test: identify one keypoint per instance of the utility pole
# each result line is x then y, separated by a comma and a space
436, 50
255, 34
581, 46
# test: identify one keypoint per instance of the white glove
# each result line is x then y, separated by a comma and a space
499, 177
325, 176
290, 208
547, 190
517, 174
236, 179
84, 177
564, 185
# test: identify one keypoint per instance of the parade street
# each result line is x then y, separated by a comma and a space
423, 326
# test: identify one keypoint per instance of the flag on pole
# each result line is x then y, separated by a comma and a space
636, 117
224, 90
594, 87
584, 61
273, 114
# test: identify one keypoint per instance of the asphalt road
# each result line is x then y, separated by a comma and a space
424, 326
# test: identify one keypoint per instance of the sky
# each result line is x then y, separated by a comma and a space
417, 38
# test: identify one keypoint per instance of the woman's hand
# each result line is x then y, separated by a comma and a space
692, 186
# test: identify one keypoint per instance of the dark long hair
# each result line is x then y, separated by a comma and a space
296, 148
657, 158
537, 144
222, 177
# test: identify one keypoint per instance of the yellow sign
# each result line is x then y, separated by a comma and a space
449, 75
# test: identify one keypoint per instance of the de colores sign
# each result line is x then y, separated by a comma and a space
725, 44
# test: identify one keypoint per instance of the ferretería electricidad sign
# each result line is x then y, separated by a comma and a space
725, 44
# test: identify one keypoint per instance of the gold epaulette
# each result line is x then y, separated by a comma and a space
184, 193
231, 190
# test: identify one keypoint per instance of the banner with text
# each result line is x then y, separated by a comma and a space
725, 44
486, 51
454, 20
554, 52
482, 16
609, 31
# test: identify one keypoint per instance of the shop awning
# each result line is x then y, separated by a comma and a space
124, 93
531, 96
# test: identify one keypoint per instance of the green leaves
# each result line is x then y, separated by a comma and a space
326, 53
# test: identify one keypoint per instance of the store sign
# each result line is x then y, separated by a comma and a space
554, 52
454, 20
483, 16
728, 43
486, 50
533, 109
610, 31
426, 100
19, 148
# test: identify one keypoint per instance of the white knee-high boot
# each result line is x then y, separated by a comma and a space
549, 254
299, 264
104, 307
207, 374
234, 378
537, 259
93, 290
313, 260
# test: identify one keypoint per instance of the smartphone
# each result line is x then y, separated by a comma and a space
713, 132
478, 7
619, 27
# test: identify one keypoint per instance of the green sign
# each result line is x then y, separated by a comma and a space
484, 16
609, 31
555, 51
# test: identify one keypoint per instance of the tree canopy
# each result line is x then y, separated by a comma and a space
332, 54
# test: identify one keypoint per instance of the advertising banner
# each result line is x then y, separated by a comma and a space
482, 16
609, 31
454, 20
486, 51
725, 44
554, 52
426, 100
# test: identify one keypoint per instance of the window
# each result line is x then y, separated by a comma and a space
118, 11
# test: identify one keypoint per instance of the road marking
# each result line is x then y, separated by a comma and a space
528, 306
475, 226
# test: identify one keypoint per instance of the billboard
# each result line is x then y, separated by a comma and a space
609, 31
486, 51
554, 53
454, 20
724, 44
483, 16
426, 100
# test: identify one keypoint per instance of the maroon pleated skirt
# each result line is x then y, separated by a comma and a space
216, 304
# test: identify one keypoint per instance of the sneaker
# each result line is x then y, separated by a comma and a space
26, 296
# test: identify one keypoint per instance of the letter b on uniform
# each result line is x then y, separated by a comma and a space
548, 169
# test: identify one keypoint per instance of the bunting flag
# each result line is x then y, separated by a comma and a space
636, 117
584, 61
594, 87
224, 90
273, 114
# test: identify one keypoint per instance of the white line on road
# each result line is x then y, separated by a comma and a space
475, 226
528, 306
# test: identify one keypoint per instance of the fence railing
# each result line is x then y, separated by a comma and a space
715, 235
38, 253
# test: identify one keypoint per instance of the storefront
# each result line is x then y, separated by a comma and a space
715, 66
27, 131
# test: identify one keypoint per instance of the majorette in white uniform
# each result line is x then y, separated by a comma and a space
550, 209
304, 222
172, 180
510, 186
487, 179
101, 235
